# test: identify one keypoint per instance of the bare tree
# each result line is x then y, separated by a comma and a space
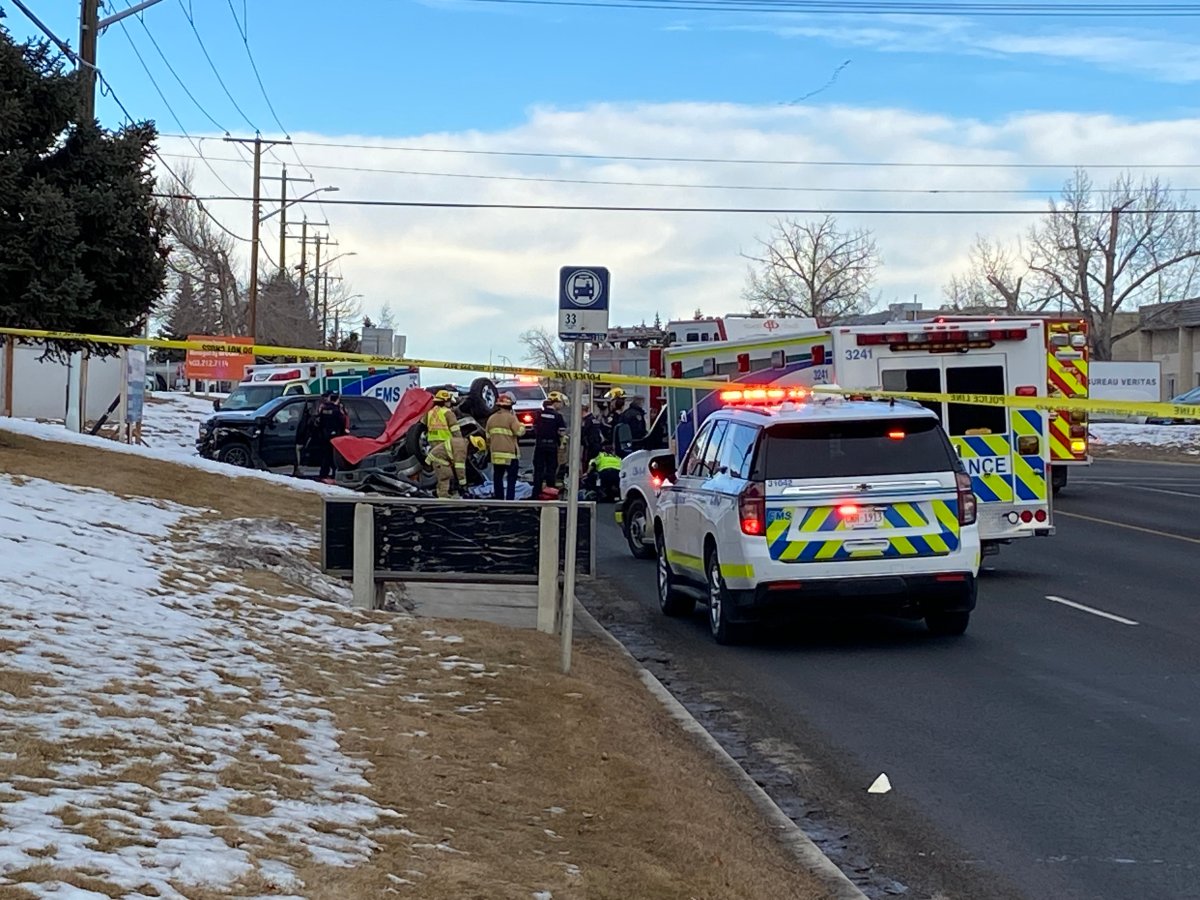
545, 350
1105, 252
340, 307
995, 280
812, 269
285, 315
200, 258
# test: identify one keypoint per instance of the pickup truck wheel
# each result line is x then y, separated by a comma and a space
723, 631
670, 600
948, 624
481, 399
237, 454
635, 526
416, 442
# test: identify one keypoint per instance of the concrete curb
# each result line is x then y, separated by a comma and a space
791, 835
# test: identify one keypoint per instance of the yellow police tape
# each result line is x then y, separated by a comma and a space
1116, 408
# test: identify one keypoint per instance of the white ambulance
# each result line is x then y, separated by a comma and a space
1005, 450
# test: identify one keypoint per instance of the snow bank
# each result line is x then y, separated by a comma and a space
1178, 437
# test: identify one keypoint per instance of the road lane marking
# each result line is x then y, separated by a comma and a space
1154, 531
1088, 609
1143, 487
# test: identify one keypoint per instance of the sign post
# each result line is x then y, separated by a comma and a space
582, 317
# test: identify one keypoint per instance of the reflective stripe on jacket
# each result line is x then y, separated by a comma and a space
503, 428
604, 461
441, 425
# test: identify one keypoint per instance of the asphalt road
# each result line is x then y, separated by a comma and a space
1052, 752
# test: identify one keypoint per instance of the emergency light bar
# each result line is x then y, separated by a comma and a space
763, 396
291, 375
942, 340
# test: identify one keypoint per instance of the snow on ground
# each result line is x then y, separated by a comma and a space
1179, 437
150, 732
170, 432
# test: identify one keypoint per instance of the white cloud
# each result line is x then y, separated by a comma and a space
464, 283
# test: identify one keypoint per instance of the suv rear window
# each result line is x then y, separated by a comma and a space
902, 446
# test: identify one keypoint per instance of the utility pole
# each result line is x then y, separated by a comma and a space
255, 222
283, 180
325, 310
89, 32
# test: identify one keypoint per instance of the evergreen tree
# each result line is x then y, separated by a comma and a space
79, 228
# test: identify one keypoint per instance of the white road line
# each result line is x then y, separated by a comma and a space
1087, 609
1142, 487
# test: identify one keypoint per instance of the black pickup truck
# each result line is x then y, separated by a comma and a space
265, 438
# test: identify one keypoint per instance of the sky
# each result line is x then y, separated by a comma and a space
1022, 99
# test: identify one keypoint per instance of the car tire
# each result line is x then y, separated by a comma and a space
481, 398
416, 444
236, 453
724, 632
948, 624
671, 600
634, 525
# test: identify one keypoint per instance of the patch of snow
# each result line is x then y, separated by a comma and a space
114, 653
176, 454
1181, 437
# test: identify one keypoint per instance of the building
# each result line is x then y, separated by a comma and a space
1169, 334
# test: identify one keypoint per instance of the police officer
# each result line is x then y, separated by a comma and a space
332, 421
635, 417
548, 430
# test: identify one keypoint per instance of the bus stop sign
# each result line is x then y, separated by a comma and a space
583, 303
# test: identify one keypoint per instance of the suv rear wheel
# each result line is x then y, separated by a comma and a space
723, 631
948, 624
670, 600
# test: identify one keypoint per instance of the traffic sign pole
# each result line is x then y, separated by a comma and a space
574, 461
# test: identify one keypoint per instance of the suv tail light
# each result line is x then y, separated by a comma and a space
967, 505
752, 509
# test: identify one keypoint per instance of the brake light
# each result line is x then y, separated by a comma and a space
896, 435
752, 509
1078, 431
291, 375
847, 510
967, 504
656, 481
1026, 390
1040, 515
1026, 516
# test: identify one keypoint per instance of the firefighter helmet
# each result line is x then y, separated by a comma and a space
478, 442
506, 399
614, 393
443, 396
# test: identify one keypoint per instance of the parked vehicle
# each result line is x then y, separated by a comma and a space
1188, 398
528, 397
351, 379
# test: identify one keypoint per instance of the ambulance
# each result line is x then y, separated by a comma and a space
1005, 450
265, 382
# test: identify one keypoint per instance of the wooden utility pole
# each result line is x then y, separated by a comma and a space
255, 222
89, 32
283, 180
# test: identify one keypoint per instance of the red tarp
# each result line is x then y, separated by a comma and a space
413, 405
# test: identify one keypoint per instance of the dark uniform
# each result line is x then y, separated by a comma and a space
591, 437
548, 429
332, 421
635, 418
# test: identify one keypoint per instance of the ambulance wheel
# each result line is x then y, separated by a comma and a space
948, 624
481, 399
634, 525
670, 600
723, 631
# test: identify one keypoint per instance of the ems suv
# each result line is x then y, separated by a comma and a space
814, 505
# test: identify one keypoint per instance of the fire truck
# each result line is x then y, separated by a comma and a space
1067, 352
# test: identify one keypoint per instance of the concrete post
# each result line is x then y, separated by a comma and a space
547, 615
365, 591
1146, 346
1187, 360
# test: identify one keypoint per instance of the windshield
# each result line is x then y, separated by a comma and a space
524, 392
250, 396
900, 446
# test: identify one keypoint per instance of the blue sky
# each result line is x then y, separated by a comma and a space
468, 75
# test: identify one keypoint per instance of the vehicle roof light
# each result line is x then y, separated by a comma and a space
763, 396
1026, 390
290, 375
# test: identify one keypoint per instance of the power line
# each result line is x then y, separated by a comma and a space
540, 179
170, 109
836, 163
254, 66
192, 22
1065, 11
775, 211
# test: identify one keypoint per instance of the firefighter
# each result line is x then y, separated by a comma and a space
604, 475
442, 427
548, 431
616, 406
332, 421
503, 430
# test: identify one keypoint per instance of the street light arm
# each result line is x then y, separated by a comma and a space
326, 262
291, 203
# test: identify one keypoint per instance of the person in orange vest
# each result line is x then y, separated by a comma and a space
504, 428
441, 428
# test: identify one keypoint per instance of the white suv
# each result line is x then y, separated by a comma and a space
528, 399
849, 505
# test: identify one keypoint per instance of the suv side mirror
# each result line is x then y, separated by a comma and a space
216, 406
